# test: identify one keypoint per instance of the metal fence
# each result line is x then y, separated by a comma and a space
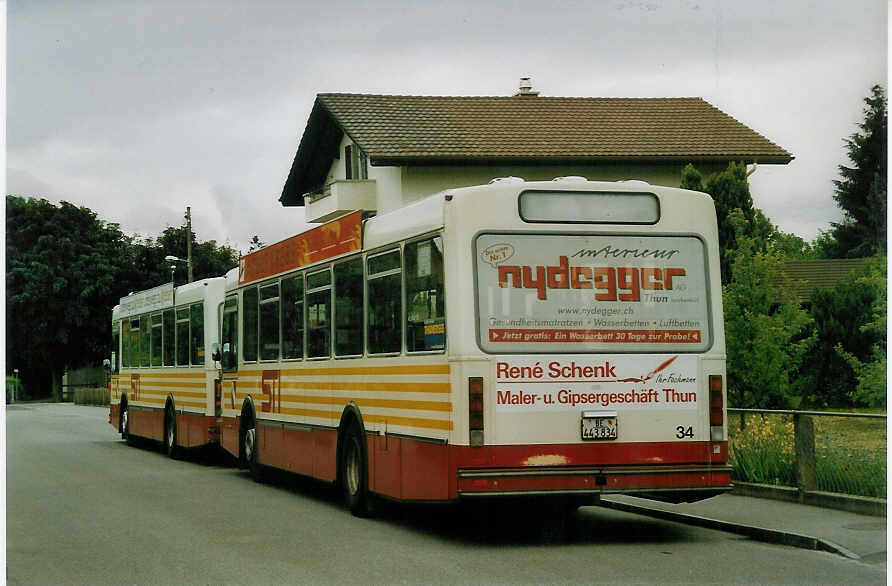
810, 450
90, 395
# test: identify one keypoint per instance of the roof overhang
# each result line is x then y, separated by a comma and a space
318, 146
391, 161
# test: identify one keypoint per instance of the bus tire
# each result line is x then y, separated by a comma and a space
249, 444
125, 426
170, 432
355, 472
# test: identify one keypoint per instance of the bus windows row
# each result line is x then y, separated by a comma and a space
168, 338
345, 309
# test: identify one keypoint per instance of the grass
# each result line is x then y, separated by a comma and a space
850, 453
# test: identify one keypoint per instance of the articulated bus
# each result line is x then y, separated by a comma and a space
518, 339
163, 381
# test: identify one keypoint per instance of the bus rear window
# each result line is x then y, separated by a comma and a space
589, 207
591, 293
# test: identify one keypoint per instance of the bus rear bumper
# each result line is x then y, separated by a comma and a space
670, 483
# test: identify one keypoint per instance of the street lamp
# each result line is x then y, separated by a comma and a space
173, 260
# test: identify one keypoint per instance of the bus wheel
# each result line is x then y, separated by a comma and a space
354, 472
249, 447
125, 426
170, 433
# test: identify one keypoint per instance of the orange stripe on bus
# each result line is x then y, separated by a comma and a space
173, 384
395, 387
358, 370
409, 421
144, 390
388, 419
159, 374
192, 403
366, 402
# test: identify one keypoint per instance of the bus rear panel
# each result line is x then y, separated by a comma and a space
595, 361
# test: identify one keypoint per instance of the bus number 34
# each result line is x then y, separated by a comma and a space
682, 432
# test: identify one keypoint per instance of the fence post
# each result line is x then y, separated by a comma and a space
804, 468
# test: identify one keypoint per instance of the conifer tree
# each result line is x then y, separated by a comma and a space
861, 191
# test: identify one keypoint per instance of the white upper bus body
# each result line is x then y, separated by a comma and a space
577, 308
174, 376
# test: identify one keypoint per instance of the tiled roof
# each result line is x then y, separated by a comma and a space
807, 275
397, 130
419, 127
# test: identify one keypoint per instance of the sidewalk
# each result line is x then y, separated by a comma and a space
849, 534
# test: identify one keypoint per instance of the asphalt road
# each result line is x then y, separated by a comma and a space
85, 508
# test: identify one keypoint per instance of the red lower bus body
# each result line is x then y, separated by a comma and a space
193, 429
417, 470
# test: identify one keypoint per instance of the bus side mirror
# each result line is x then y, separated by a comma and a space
216, 353
106, 364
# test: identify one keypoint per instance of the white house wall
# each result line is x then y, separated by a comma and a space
420, 181
398, 186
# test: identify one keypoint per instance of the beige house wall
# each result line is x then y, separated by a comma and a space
398, 186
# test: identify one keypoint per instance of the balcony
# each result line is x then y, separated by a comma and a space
340, 197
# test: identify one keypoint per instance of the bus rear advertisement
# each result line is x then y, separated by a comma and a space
555, 339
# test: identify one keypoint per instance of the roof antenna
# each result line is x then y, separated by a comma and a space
526, 88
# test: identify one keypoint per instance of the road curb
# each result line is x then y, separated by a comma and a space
759, 533
843, 502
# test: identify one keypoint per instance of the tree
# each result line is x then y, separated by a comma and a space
66, 270
839, 316
255, 244
730, 190
871, 372
208, 258
861, 191
62, 265
763, 325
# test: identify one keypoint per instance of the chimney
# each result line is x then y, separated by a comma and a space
526, 88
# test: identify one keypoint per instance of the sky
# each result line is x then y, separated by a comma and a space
139, 109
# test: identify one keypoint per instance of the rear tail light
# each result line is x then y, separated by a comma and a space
716, 408
475, 410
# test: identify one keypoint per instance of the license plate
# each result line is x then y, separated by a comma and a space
599, 425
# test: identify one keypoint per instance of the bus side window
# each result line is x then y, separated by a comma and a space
293, 317
196, 338
269, 322
348, 307
156, 340
183, 337
126, 342
249, 297
116, 345
385, 295
169, 343
229, 335
145, 337
426, 315
318, 314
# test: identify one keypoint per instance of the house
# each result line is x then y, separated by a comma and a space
379, 152
804, 276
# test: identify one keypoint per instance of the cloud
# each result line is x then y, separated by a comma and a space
138, 109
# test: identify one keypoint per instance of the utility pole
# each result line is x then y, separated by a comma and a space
189, 242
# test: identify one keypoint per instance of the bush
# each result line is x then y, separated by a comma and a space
14, 385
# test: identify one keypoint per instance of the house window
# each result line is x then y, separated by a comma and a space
356, 163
